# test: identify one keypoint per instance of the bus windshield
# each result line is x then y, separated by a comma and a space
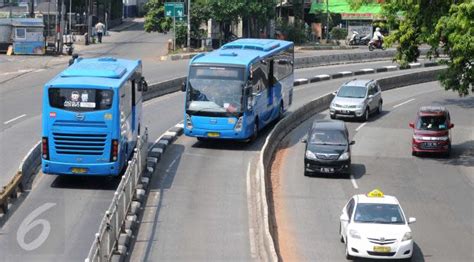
80, 99
215, 89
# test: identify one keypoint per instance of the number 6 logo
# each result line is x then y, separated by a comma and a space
29, 223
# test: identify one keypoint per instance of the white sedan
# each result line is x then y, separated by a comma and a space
375, 226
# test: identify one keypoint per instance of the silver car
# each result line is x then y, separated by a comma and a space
357, 99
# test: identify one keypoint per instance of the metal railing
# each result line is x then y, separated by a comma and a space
113, 223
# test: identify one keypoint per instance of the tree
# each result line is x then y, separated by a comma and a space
155, 20
450, 22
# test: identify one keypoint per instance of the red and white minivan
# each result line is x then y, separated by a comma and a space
431, 131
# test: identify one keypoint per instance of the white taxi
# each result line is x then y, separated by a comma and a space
374, 226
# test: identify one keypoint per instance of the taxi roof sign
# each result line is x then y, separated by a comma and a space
375, 193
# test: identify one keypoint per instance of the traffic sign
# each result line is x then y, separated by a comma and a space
173, 9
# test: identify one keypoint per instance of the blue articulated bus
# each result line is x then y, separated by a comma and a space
92, 115
233, 92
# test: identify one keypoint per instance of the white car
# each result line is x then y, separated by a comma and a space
375, 226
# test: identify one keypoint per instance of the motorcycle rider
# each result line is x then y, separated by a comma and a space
378, 38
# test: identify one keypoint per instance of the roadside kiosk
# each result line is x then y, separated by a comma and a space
28, 37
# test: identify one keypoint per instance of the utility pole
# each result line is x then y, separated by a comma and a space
189, 24
327, 19
32, 9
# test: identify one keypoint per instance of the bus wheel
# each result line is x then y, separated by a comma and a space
255, 130
281, 111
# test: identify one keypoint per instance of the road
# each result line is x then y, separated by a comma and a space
437, 191
198, 206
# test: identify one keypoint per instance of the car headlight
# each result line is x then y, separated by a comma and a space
443, 138
354, 234
344, 156
310, 155
360, 106
407, 236
333, 104
418, 137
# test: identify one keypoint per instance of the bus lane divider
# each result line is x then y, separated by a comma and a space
267, 228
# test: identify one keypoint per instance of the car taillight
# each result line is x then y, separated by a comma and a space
114, 152
44, 148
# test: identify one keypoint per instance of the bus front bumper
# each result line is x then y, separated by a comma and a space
216, 134
102, 169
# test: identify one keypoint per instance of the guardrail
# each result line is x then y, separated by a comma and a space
17, 184
291, 121
112, 228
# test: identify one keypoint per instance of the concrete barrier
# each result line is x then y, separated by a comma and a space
17, 184
291, 121
163, 88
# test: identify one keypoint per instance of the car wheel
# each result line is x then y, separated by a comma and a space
365, 117
332, 116
414, 153
448, 153
379, 108
307, 173
255, 130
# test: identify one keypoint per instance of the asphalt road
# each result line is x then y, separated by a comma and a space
437, 191
198, 207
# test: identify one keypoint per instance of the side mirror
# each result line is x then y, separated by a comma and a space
183, 87
143, 86
344, 217
352, 142
411, 124
371, 96
451, 125
411, 220
304, 140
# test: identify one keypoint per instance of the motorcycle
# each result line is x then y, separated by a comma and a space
376, 44
357, 39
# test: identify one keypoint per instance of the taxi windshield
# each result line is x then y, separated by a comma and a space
378, 213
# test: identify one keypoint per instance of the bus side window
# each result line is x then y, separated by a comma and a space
125, 99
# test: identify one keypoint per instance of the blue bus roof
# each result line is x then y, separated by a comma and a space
242, 51
95, 72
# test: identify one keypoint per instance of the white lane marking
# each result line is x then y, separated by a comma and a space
406, 102
354, 183
13, 119
361, 125
253, 251
172, 164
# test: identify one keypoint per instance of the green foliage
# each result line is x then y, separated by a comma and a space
155, 20
292, 32
414, 22
181, 33
338, 33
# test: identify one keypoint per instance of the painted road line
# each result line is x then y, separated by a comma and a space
406, 102
361, 125
354, 183
253, 251
172, 163
13, 119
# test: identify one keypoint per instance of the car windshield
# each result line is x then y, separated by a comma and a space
352, 91
215, 89
433, 123
378, 213
328, 137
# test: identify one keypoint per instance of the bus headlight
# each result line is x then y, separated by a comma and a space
189, 124
238, 125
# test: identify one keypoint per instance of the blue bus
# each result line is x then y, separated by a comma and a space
233, 92
92, 115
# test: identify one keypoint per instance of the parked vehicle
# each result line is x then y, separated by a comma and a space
431, 131
357, 39
235, 91
357, 99
92, 116
327, 148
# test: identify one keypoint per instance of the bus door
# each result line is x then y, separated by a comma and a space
260, 92
134, 104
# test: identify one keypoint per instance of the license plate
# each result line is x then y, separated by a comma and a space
382, 249
345, 112
213, 134
430, 144
77, 170
327, 170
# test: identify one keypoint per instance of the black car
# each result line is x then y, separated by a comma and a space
328, 148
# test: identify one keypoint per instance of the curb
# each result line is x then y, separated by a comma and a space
291, 121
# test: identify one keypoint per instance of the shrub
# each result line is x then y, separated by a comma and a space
338, 33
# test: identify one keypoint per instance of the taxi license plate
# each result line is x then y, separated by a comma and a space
327, 170
213, 134
346, 112
77, 170
382, 249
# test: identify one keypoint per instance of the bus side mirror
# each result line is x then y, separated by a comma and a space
143, 86
183, 87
